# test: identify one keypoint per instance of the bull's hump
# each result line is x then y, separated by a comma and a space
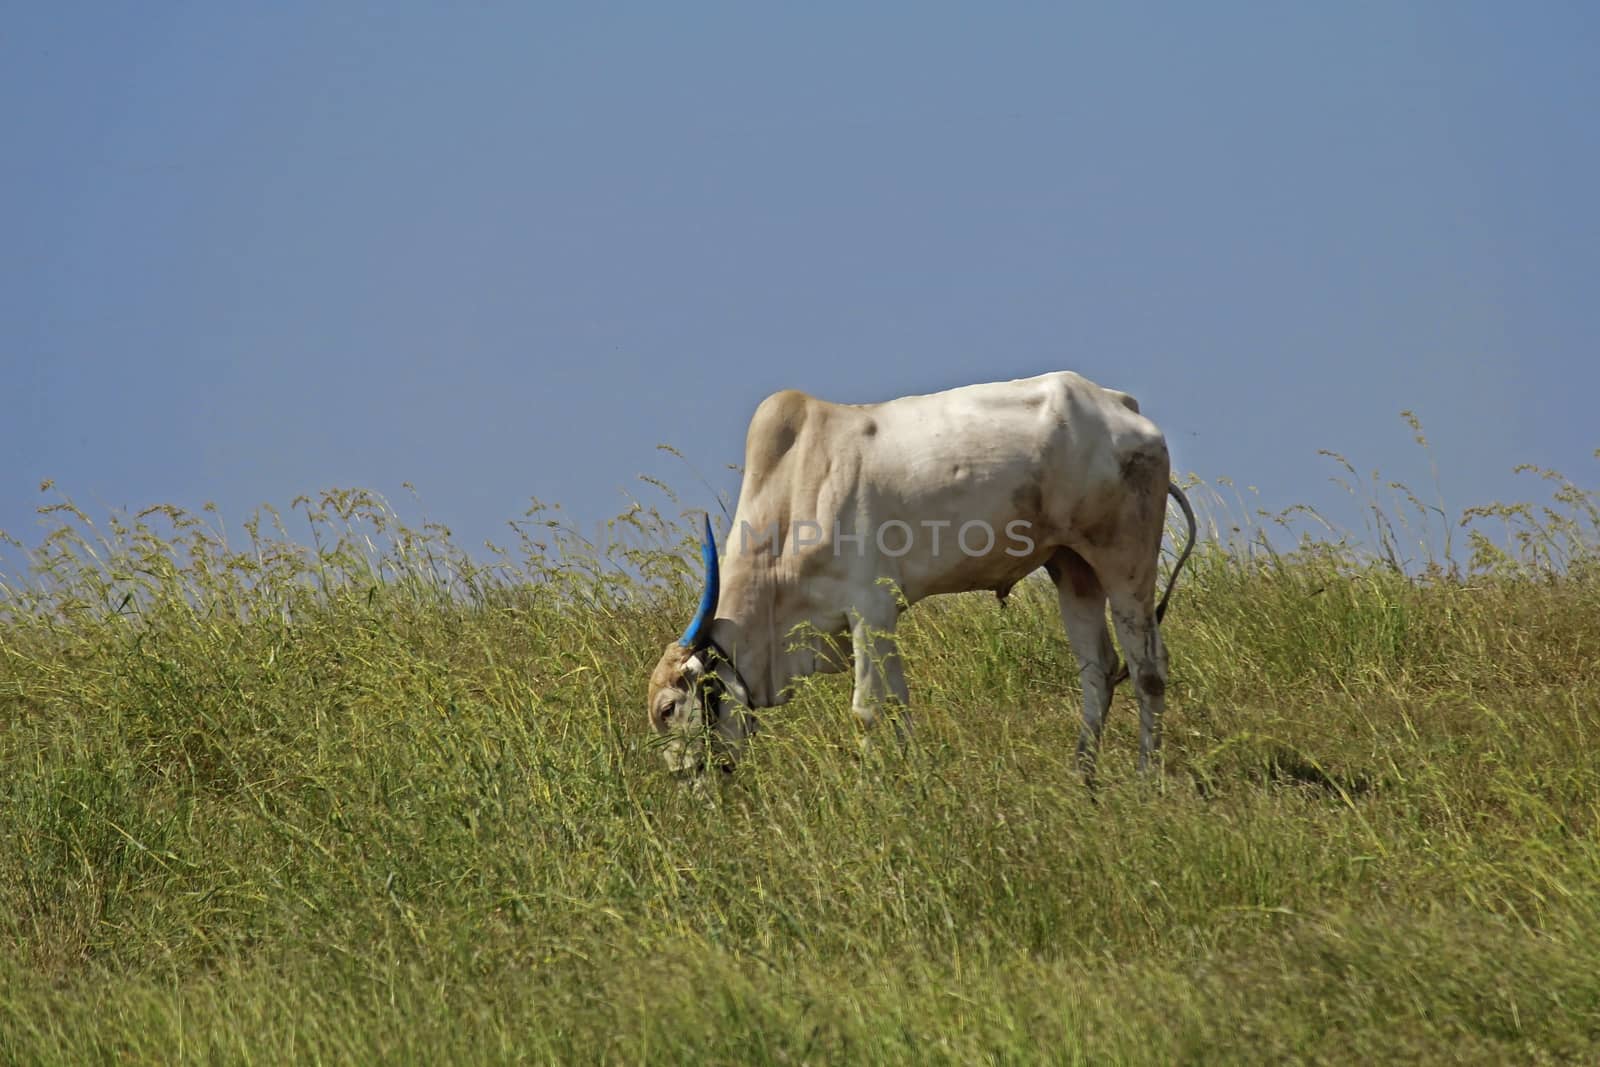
784, 406
775, 427
790, 418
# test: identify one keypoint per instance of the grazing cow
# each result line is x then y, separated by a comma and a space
850, 513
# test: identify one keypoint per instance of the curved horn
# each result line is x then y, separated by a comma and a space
700, 629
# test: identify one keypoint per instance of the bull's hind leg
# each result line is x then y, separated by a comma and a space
1135, 618
1127, 564
1083, 616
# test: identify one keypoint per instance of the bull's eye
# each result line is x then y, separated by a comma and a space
665, 712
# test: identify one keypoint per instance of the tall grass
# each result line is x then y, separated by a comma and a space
355, 795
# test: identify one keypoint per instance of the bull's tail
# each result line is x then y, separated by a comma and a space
1121, 673
1188, 513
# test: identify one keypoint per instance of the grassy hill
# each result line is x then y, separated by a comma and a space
355, 797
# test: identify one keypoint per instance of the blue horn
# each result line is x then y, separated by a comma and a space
700, 629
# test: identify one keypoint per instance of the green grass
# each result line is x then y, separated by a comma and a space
356, 798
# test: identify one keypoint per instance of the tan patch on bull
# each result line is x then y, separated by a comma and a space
774, 429
667, 675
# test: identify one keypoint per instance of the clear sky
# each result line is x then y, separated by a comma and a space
503, 250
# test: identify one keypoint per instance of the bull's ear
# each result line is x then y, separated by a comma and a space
699, 631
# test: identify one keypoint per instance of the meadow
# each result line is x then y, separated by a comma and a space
342, 792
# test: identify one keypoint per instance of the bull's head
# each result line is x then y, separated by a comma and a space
696, 697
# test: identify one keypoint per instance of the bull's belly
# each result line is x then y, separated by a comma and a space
960, 573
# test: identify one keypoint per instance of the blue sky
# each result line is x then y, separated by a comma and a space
502, 251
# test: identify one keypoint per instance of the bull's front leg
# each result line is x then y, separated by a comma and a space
880, 682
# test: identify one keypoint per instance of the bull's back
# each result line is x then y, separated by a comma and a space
1038, 450
1049, 436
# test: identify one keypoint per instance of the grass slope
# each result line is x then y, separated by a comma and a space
361, 799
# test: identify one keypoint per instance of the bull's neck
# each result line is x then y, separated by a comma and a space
748, 629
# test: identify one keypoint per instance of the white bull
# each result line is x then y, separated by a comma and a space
849, 514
